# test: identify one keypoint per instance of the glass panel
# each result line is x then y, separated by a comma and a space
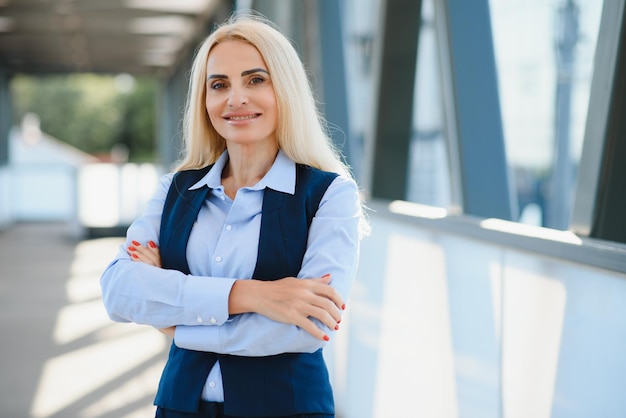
361, 24
429, 174
544, 54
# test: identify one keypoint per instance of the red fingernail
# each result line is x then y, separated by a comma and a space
152, 244
131, 248
326, 338
326, 275
339, 322
134, 255
343, 307
135, 243
337, 327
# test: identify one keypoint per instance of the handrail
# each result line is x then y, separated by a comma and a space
565, 245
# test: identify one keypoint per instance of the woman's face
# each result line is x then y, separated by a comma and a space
240, 99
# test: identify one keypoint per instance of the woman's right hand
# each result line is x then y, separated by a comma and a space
148, 254
292, 301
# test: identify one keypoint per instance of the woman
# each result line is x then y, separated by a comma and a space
246, 255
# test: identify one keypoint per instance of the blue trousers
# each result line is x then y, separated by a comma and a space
216, 410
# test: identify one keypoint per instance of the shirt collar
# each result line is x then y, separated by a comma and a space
281, 176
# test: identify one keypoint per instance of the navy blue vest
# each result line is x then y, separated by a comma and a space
284, 384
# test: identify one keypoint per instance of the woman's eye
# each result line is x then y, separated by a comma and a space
218, 85
257, 80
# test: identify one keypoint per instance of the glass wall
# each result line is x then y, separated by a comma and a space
428, 176
360, 27
544, 54
429, 170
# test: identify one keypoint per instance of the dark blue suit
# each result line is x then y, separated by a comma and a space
280, 385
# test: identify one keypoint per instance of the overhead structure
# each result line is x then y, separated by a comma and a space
102, 36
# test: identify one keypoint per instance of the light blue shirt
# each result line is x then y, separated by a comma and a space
222, 248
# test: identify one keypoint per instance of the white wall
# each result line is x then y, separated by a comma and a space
47, 180
43, 192
112, 195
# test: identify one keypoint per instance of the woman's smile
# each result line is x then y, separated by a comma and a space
234, 118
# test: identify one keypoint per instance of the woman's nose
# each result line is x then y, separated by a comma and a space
237, 97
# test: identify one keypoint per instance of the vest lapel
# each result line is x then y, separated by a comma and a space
179, 215
270, 254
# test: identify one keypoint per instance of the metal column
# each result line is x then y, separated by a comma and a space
396, 58
334, 75
5, 116
170, 107
600, 200
474, 122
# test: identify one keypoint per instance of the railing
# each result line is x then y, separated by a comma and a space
455, 316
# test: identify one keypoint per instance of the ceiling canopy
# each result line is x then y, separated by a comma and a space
105, 36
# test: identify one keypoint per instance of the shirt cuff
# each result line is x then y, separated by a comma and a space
206, 300
198, 338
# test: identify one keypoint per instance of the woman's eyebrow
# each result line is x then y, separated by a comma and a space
254, 70
243, 74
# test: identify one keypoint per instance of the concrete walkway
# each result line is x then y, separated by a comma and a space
60, 355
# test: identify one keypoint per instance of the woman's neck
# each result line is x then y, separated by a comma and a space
246, 166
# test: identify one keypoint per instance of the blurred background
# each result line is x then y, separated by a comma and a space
94, 82
486, 136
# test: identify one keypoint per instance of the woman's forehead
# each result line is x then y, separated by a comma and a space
233, 55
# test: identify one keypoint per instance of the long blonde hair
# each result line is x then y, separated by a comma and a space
301, 130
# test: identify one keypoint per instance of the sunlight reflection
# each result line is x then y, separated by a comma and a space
415, 209
415, 369
78, 320
131, 391
534, 312
531, 231
102, 366
82, 289
74, 375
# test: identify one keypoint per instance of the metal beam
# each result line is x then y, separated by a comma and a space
5, 116
334, 87
396, 57
472, 110
170, 107
600, 201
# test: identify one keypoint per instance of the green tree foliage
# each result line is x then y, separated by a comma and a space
91, 112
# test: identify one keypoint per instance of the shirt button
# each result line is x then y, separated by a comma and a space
222, 197
213, 320
199, 319
218, 259
212, 385
229, 227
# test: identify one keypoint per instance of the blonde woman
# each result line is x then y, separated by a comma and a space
246, 254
